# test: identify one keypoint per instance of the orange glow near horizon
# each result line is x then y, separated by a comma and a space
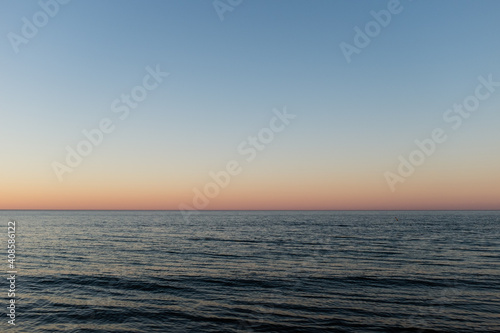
246, 193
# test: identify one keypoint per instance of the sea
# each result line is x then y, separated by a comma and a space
252, 271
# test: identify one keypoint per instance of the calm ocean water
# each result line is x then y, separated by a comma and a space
112, 271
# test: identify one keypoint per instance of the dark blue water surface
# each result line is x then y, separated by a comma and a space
136, 271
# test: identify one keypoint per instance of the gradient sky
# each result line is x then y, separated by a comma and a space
353, 119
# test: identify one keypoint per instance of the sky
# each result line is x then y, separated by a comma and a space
249, 104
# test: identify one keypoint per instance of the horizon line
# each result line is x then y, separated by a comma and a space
265, 210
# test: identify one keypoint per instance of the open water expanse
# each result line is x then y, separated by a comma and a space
254, 271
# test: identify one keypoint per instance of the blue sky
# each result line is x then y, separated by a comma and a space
226, 77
